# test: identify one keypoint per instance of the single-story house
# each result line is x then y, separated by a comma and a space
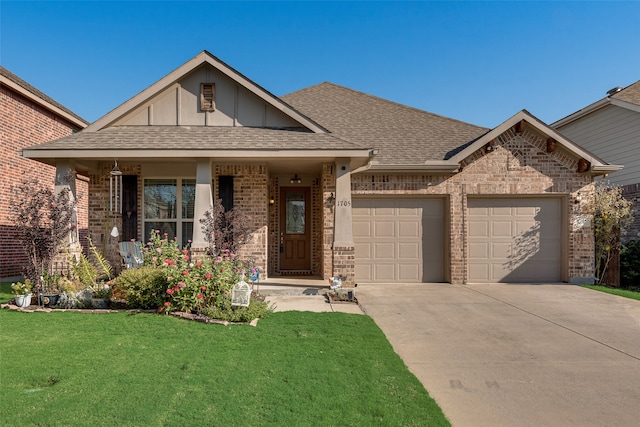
27, 117
610, 127
338, 182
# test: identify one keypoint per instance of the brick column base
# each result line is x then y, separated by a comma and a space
198, 254
344, 263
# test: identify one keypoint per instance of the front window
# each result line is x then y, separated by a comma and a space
169, 207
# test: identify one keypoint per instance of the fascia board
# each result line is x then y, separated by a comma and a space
432, 167
582, 112
626, 105
542, 128
187, 67
22, 91
174, 154
484, 139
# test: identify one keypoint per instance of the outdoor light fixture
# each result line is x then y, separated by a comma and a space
296, 179
331, 199
115, 188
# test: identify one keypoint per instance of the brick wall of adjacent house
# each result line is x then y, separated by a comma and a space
632, 192
518, 166
24, 123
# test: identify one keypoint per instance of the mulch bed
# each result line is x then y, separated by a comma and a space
188, 316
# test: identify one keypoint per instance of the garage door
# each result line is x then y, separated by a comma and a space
399, 240
515, 240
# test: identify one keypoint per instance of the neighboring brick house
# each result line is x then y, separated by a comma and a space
610, 127
338, 182
29, 117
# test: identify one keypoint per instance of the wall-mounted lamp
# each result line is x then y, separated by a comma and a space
296, 179
271, 201
331, 199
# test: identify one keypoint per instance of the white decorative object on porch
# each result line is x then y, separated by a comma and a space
241, 293
115, 189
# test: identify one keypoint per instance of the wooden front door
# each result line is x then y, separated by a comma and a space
295, 230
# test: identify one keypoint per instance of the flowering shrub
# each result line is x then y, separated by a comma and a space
194, 285
161, 251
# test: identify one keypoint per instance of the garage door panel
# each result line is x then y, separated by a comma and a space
410, 230
524, 242
407, 242
501, 228
384, 228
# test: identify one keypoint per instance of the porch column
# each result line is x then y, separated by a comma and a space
343, 245
203, 203
66, 180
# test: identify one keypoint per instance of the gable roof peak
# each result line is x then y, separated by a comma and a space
204, 57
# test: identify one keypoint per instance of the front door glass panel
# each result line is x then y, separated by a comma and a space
295, 213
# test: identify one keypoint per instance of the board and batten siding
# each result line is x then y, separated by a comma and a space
612, 134
179, 105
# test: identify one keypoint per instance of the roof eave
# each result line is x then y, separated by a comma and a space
596, 170
434, 167
56, 110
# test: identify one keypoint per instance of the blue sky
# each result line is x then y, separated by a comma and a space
479, 62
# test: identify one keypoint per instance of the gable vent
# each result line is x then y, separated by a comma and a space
207, 96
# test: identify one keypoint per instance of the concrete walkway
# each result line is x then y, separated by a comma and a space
516, 355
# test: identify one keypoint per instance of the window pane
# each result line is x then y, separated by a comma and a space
160, 198
164, 227
187, 233
188, 197
295, 213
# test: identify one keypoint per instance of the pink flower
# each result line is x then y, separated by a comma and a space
160, 309
219, 260
167, 303
186, 257
185, 273
185, 252
170, 291
203, 288
176, 288
200, 296
189, 241
199, 265
159, 250
182, 284
154, 259
166, 234
169, 279
208, 275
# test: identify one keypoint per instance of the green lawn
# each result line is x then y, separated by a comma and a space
615, 291
293, 369
6, 293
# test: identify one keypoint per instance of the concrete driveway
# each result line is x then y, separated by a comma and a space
516, 355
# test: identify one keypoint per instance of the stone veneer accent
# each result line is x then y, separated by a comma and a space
632, 192
518, 166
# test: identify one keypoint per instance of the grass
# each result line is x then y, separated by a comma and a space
294, 369
6, 293
615, 291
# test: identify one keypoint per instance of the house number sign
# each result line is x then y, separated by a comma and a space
343, 203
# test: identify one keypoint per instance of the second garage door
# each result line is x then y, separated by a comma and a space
515, 240
399, 240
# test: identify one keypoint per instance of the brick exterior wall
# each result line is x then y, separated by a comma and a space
250, 190
632, 192
24, 123
328, 182
101, 220
518, 166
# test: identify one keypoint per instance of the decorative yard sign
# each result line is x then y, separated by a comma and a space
241, 293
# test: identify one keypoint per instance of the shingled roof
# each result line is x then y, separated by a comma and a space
630, 94
196, 138
403, 135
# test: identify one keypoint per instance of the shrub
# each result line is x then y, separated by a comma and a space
223, 310
225, 231
630, 265
142, 287
42, 219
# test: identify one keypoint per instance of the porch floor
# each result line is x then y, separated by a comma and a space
292, 285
